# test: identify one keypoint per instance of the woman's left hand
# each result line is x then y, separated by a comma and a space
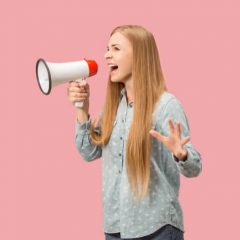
173, 142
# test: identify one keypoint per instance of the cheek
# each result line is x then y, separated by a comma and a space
130, 67
126, 68
127, 64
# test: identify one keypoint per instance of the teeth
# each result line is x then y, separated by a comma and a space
112, 65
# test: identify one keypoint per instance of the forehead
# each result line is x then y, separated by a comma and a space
119, 39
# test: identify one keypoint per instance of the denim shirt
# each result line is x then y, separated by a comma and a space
161, 206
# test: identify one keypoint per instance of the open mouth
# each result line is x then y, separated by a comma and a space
113, 67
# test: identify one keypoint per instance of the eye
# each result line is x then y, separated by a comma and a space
116, 48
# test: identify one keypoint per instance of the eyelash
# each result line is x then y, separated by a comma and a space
114, 48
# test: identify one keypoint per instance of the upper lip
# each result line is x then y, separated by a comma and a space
110, 63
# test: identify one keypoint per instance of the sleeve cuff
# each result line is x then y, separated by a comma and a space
182, 162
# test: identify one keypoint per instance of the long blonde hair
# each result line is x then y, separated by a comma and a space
148, 86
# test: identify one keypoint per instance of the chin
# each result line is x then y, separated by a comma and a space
122, 79
116, 80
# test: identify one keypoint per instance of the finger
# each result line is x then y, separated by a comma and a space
171, 126
76, 94
77, 99
84, 90
73, 83
178, 130
84, 95
185, 140
74, 89
87, 86
157, 135
83, 83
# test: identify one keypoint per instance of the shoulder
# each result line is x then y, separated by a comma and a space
167, 102
167, 106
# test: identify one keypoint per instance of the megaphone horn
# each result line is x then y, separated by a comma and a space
51, 74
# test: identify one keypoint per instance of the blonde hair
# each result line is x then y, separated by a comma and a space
148, 85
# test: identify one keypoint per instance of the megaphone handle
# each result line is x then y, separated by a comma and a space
80, 103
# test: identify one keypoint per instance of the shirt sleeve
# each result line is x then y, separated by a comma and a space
87, 149
192, 166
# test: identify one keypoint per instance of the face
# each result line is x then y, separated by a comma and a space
119, 58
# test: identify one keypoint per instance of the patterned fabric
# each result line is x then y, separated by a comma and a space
120, 212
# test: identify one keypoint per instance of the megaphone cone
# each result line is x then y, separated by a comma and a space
51, 74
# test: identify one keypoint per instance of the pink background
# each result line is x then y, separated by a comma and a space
46, 190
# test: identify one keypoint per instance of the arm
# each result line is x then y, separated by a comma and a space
190, 164
86, 148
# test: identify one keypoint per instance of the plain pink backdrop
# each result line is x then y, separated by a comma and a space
46, 190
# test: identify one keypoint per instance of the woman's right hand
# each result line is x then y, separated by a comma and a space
79, 92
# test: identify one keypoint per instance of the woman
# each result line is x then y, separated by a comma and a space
143, 138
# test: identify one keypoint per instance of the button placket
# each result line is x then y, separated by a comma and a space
122, 134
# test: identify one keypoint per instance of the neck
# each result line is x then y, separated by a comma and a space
129, 91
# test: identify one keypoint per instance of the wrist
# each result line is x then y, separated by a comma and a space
182, 156
82, 116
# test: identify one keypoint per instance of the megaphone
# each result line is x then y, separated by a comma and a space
51, 74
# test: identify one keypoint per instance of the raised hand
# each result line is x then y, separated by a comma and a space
173, 142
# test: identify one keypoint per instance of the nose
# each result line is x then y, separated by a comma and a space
107, 55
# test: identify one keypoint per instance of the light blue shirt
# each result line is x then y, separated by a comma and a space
120, 213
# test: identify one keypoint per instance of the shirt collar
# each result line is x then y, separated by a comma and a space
123, 94
123, 91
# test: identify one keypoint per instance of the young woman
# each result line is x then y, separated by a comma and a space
142, 135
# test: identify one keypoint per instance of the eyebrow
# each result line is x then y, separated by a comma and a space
113, 45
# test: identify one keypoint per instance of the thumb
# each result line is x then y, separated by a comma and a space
82, 83
157, 135
185, 140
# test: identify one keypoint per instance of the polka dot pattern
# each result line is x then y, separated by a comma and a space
120, 212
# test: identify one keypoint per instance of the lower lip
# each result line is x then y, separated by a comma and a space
113, 71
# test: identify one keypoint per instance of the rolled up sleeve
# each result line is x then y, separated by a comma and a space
87, 149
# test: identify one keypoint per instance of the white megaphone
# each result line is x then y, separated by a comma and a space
51, 74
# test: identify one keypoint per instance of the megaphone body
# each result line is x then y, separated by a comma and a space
51, 74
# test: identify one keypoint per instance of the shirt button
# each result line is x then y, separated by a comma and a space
119, 154
121, 138
122, 120
119, 171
